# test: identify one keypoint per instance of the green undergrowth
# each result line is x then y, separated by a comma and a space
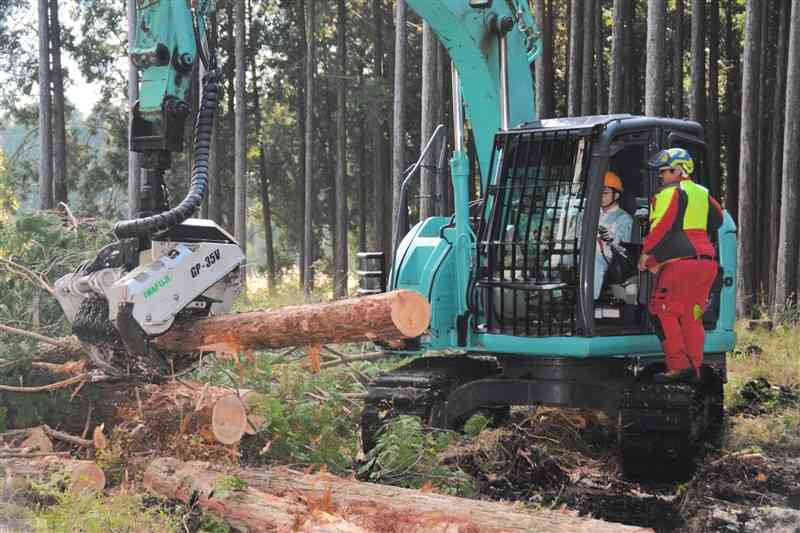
90, 513
408, 455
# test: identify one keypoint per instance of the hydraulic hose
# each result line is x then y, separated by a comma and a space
144, 227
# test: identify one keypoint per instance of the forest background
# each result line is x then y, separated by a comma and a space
326, 104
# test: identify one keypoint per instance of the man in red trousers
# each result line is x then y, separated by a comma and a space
678, 249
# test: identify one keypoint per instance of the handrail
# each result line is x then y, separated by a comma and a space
408, 174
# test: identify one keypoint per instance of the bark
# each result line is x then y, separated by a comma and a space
399, 218
599, 63
698, 91
59, 127
713, 125
443, 201
732, 109
340, 251
282, 499
134, 163
228, 187
379, 127
544, 65
587, 70
629, 57
787, 274
45, 119
240, 164
308, 218
387, 316
616, 94
361, 164
575, 57
677, 62
762, 172
778, 106
656, 58
430, 47
748, 166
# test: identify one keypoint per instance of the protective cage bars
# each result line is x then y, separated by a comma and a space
528, 247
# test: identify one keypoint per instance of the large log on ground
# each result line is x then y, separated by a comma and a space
388, 316
281, 499
16, 474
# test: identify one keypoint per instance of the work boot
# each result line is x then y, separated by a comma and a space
686, 375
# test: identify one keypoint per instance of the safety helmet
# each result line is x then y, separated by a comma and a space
612, 180
672, 158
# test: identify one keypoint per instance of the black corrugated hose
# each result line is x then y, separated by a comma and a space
144, 227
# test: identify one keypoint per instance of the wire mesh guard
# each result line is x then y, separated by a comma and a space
528, 246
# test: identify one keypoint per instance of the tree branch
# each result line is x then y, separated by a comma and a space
42, 388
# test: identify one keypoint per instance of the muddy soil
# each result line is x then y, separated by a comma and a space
564, 458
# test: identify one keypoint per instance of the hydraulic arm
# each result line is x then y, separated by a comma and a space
164, 265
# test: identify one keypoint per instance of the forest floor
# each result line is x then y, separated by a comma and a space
747, 478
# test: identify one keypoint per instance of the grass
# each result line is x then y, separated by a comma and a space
774, 356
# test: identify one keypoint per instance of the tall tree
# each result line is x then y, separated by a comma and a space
732, 108
45, 120
779, 114
575, 56
427, 187
677, 62
134, 163
656, 57
787, 274
616, 94
240, 158
308, 219
544, 64
748, 165
713, 128
698, 94
340, 253
587, 70
379, 127
398, 121
59, 127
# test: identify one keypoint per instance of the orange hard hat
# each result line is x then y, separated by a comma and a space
612, 180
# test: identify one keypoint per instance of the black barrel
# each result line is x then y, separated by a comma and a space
371, 273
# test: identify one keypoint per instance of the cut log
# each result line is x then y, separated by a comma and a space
37, 441
281, 499
231, 417
17, 473
388, 316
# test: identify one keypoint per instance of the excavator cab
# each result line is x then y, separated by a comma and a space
536, 250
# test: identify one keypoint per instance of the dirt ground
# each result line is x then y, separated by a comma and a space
564, 458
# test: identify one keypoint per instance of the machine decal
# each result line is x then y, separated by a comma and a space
157, 286
207, 262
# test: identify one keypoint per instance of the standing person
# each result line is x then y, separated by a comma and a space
614, 226
683, 219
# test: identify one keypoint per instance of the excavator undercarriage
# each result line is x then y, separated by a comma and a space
660, 426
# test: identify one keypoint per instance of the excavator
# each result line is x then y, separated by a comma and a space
509, 275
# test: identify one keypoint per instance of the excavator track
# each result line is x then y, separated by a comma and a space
662, 426
420, 389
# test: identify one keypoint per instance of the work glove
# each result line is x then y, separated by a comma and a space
605, 235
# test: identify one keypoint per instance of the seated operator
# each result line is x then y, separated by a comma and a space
614, 226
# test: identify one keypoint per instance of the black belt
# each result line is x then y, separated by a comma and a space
705, 258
